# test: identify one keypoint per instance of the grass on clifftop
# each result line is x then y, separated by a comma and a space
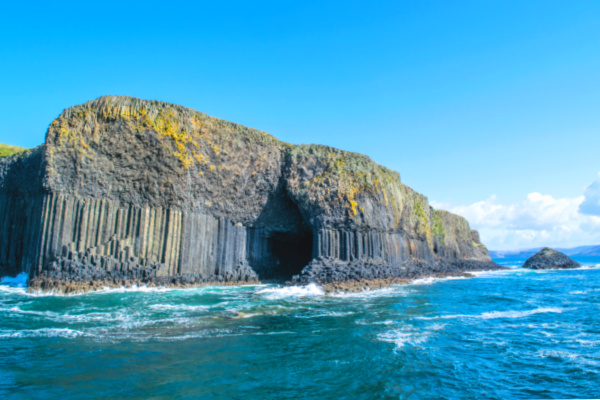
8, 150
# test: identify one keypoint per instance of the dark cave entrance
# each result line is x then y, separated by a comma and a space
280, 244
291, 253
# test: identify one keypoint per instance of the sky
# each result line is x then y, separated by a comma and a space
489, 108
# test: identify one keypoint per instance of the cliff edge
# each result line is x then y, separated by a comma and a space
128, 191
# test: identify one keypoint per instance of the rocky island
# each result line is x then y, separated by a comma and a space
548, 258
127, 191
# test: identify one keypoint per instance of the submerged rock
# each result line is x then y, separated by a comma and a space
548, 258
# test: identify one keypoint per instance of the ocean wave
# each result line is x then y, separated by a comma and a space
11, 290
22, 289
178, 307
326, 314
408, 336
432, 280
568, 356
129, 289
205, 333
42, 332
292, 291
588, 291
588, 343
402, 338
520, 314
499, 314
584, 267
365, 322
499, 272
105, 290
273, 333
109, 316
396, 290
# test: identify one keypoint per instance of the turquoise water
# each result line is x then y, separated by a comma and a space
511, 334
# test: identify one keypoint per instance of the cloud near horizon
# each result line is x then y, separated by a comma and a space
591, 202
539, 220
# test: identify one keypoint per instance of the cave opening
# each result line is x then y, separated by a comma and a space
291, 252
280, 244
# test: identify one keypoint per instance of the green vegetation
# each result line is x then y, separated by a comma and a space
438, 226
8, 150
192, 137
349, 176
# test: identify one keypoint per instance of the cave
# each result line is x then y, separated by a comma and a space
280, 242
291, 252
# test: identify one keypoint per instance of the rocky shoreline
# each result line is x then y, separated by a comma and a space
80, 273
76, 272
336, 276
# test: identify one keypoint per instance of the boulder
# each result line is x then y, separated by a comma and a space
548, 258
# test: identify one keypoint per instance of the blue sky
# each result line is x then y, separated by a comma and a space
471, 101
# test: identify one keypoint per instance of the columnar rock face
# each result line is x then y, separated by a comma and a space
126, 190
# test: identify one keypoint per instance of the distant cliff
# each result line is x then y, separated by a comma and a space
126, 191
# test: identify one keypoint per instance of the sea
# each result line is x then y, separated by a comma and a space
513, 334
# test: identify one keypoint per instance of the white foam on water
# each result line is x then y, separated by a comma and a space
583, 267
408, 336
389, 291
520, 314
500, 272
499, 314
103, 291
13, 290
402, 338
178, 307
580, 292
292, 291
129, 289
365, 322
588, 343
42, 332
432, 280
273, 333
326, 314
204, 333
568, 356
132, 289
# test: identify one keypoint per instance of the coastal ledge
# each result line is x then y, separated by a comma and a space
335, 276
350, 286
126, 190
69, 275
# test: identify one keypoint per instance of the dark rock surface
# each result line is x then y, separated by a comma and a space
329, 271
129, 190
548, 258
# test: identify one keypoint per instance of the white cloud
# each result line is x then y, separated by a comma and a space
591, 201
539, 220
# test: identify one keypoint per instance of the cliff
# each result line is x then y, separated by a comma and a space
126, 190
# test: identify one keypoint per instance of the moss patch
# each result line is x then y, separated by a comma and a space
7, 150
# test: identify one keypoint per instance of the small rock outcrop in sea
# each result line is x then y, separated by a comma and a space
128, 191
548, 258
